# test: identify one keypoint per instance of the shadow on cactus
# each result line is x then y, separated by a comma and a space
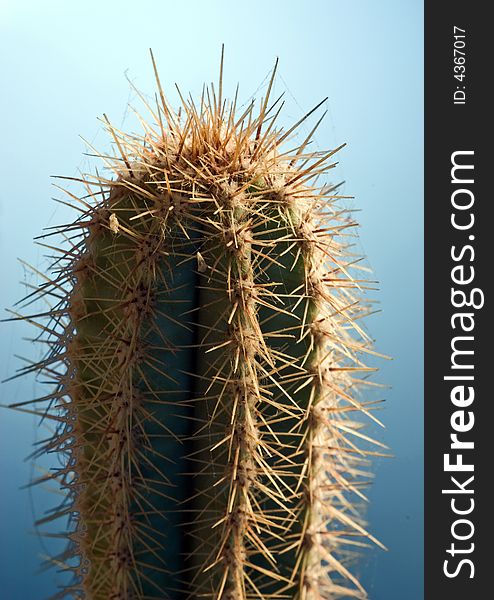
205, 359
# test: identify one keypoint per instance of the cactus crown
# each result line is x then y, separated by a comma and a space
204, 355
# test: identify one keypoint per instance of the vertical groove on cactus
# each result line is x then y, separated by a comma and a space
205, 355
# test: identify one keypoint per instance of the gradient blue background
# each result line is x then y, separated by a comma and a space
63, 64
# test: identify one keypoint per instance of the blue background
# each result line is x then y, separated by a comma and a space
63, 64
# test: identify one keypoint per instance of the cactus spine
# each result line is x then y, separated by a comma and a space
205, 355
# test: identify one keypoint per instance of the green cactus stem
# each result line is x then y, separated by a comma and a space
205, 360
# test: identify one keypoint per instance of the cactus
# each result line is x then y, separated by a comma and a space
205, 356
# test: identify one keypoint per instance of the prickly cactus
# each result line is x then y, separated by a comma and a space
205, 355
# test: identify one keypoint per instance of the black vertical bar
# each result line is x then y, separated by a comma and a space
459, 395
